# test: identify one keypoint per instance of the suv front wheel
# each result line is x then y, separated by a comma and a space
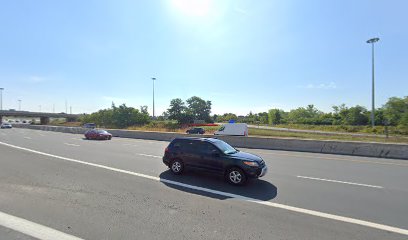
177, 166
235, 176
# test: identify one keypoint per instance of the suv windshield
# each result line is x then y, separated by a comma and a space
225, 147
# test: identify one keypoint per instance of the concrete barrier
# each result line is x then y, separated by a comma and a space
382, 150
75, 130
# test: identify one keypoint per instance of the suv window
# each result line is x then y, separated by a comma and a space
176, 144
193, 146
184, 145
189, 146
205, 147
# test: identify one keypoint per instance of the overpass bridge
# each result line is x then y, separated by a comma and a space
44, 117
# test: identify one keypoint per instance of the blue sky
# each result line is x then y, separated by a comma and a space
242, 55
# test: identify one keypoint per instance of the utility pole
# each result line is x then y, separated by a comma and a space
372, 41
1, 98
154, 79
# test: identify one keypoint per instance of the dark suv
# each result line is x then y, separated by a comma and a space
89, 125
215, 156
195, 131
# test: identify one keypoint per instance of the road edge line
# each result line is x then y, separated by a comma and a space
33, 229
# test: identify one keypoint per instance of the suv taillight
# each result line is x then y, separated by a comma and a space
166, 150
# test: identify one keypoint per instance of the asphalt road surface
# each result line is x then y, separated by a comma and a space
60, 186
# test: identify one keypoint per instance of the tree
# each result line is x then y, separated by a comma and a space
177, 109
118, 117
354, 116
308, 115
403, 123
226, 117
338, 117
395, 109
274, 116
199, 108
143, 109
263, 117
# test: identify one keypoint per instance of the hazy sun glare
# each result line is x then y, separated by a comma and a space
193, 7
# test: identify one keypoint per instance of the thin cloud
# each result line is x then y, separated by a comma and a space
330, 85
241, 11
36, 79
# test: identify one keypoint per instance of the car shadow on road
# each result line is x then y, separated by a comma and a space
254, 188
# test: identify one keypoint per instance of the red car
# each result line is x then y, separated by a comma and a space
98, 134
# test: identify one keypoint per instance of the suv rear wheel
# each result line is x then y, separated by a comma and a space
235, 176
177, 166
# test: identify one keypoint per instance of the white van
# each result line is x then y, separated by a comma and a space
233, 129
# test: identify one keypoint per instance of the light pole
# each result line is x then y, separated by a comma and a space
19, 104
372, 41
154, 79
1, 98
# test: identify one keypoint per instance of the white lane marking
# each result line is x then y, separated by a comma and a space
27, 137
226, 194
139, 141
70, 144
336, 181
33, 229
147, 155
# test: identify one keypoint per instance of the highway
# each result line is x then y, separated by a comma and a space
64, 187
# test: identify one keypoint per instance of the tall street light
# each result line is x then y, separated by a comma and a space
154, 79
372, 41
19, 104
1, 98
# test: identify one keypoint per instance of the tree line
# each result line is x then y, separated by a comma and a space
118, 117
394, 113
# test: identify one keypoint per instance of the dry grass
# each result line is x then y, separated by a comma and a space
208, 130
274, 133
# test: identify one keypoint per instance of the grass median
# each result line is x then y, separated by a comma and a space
171, 127
275, 133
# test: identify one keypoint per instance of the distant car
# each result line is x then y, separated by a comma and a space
6, 125
98, 134
195, 131
89, 125
214, 156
